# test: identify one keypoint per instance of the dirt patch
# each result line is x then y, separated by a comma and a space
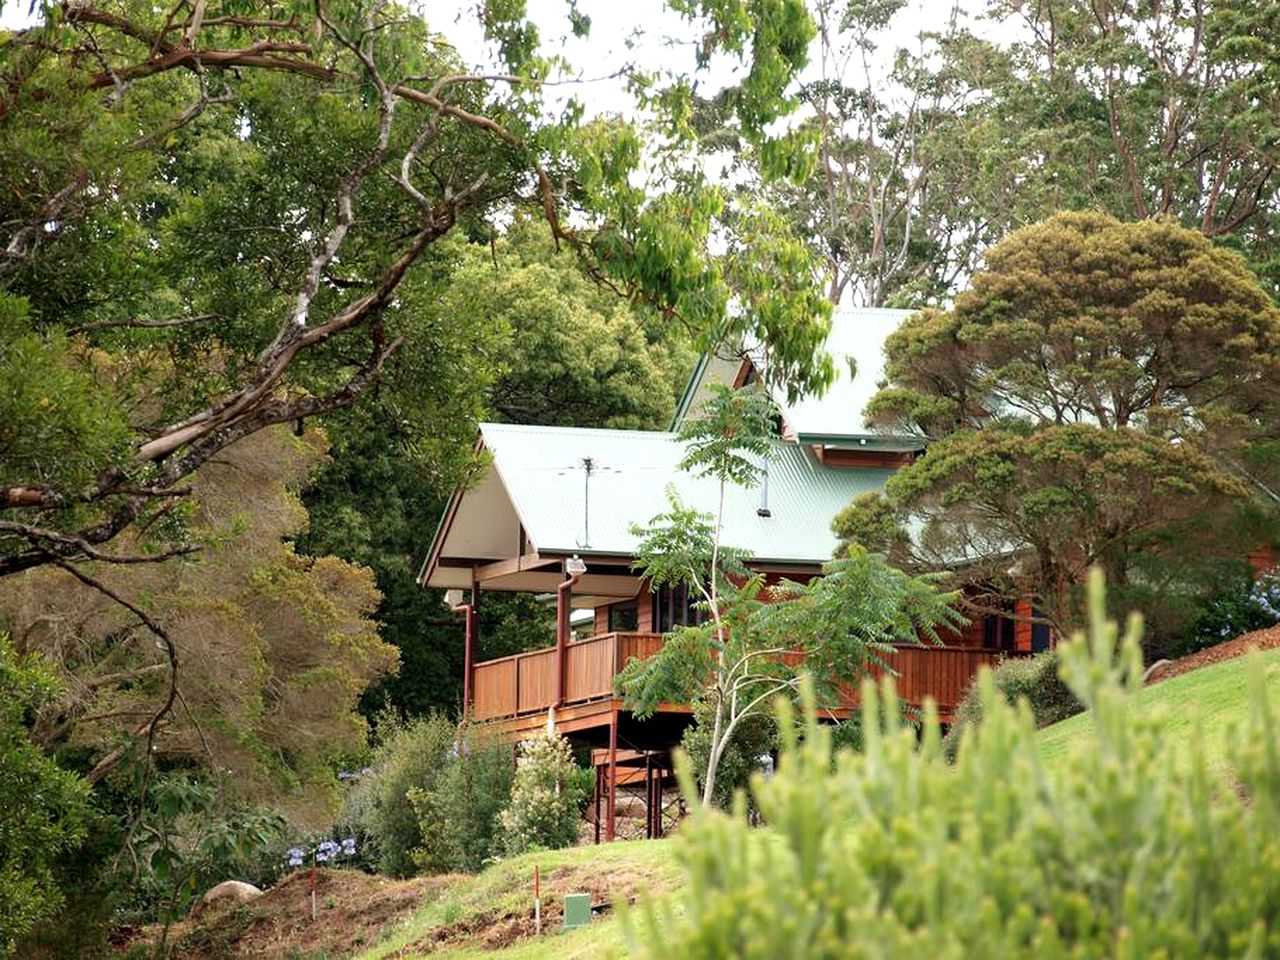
492, 931
352, 911
606, 884
1228, 650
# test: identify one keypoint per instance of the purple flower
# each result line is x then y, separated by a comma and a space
295, 856
327, 850
349, 846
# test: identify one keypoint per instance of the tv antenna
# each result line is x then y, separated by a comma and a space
588, 465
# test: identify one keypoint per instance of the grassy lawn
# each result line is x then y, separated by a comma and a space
477, 916
1218, 695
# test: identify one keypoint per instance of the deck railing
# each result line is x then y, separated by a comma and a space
526, 682
943, 673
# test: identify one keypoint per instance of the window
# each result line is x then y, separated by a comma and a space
624, 617
1041, 637
675, 607
999, 632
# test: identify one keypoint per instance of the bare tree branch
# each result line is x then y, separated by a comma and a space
66, 546
139, 323
109, 762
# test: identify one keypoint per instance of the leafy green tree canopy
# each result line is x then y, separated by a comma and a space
1089, 400
1086, 319
263, 655
237, 217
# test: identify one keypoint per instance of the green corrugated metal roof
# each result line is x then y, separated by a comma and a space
856, 340
838, 416
543, 472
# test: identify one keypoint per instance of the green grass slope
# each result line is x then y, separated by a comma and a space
490, 914
1218, 695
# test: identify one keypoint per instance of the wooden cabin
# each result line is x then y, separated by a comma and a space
552, 512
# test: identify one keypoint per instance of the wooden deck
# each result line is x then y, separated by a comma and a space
519, 687
526, 683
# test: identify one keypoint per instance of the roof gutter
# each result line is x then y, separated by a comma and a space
854, 441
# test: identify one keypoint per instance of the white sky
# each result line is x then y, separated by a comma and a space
658, 38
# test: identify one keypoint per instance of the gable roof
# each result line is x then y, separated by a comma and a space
537, 481
838, 416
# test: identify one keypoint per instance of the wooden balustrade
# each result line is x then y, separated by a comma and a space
526, 682
943, 673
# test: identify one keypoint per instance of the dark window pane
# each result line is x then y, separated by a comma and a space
624, 618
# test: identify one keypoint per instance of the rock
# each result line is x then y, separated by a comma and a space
225, 894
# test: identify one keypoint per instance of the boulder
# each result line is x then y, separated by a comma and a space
225, 894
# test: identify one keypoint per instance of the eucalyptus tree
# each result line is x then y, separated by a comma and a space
939, 128
1140, 110
257, 197
875, 206
218, 220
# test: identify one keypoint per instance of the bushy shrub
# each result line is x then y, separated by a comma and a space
43, 809
755, 738
409, 756
1117, 851
1034, 679
547, 797
458, 817
1247, 604
188, 842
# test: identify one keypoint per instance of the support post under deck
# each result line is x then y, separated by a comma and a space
611, 806
599, 791
648, 796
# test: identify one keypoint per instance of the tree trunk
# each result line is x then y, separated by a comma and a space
713, 758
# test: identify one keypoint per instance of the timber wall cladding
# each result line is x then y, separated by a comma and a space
838, 457
943, 673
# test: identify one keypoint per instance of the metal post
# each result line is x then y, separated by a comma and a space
573, 573
468, 610
657, 810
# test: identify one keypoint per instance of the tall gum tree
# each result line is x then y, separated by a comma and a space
252, 195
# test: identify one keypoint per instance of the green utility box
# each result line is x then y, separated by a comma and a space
577, 910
